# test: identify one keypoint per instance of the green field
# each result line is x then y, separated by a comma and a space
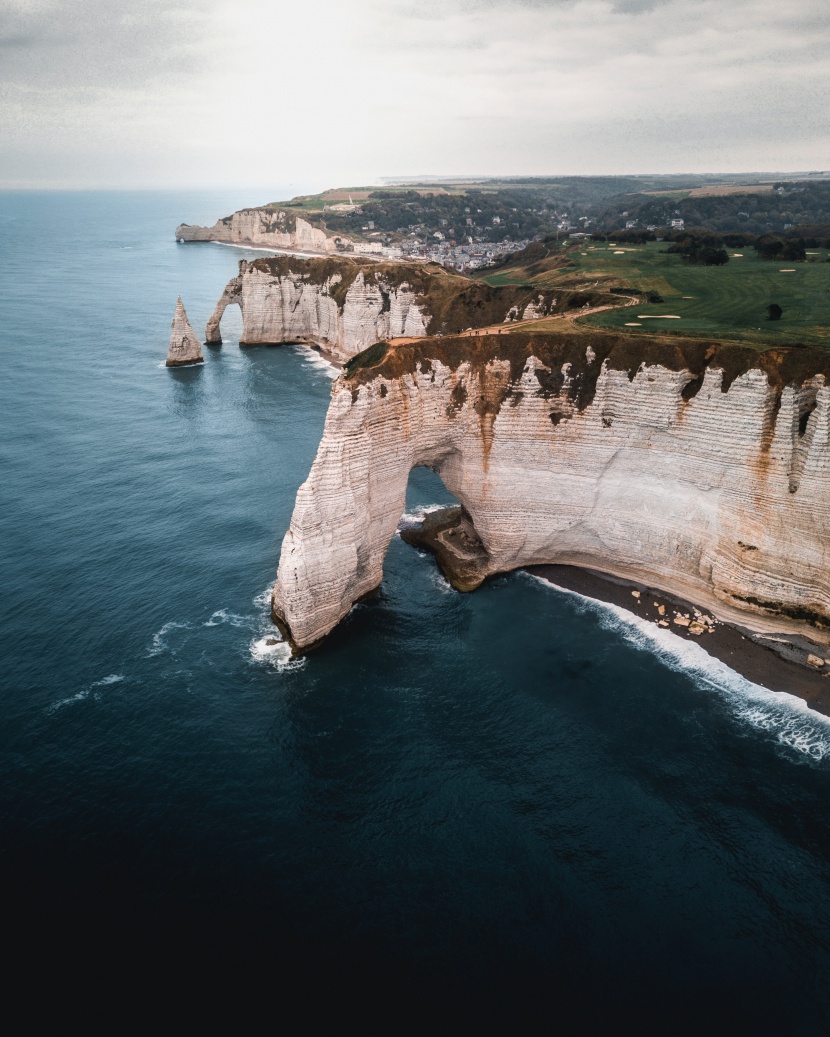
724, 302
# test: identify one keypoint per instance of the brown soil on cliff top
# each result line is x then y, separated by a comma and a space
783, 365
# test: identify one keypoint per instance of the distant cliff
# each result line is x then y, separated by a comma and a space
272, 228
345, 305
695, 469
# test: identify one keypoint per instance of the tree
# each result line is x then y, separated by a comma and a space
700, 248
769, 246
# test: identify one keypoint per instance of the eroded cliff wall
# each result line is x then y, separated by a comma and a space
272, 228
345, 305
704, 471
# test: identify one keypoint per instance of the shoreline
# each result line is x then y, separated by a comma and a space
777, 662
750, 654
302, 253
328, 357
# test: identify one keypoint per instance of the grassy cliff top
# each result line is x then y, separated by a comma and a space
726, 302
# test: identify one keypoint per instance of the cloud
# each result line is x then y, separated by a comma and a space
209, 91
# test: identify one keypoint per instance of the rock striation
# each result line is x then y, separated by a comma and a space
272, 228
702, 471
345, 305
185, 348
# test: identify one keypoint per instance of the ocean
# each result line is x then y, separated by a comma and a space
518, 804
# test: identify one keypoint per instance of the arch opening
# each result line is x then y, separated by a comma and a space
437, 521
213, 332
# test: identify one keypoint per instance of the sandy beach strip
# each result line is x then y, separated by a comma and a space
739, 649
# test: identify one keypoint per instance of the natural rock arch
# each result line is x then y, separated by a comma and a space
585, 452
232, 296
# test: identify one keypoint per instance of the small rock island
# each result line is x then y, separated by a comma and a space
185, 348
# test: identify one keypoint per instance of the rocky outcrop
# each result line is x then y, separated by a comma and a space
345, 305
185, 348
272, 228
701, 471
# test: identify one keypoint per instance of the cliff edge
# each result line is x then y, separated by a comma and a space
345, 305
701, 470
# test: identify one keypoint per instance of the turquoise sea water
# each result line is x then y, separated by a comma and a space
515, 802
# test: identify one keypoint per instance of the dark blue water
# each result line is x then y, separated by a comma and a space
514, 803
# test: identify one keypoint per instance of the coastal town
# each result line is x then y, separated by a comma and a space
465, 256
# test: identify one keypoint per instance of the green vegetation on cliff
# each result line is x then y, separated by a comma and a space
727, 302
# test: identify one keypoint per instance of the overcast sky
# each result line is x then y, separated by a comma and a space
201, 93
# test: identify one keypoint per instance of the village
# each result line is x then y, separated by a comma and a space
469, 255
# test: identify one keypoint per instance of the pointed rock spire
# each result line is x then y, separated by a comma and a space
185, 348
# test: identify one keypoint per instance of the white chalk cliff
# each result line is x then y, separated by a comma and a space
345, 305
272, 228
701, 471
292, 306
184, 348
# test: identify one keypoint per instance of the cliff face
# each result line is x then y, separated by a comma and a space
700, 471
337, 304
346, 305
269, 227
184, 347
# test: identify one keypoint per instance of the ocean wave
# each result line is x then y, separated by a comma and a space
316, 360
269, 648
787, 718
223, 617
113, 678
276, 653
440, 581
158, 643
263, 599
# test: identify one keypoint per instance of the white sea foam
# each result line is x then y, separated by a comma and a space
159, 644
263, 599
223, 617
269, 648
785, 717
440, 581
113, 678
316, 360
276, 653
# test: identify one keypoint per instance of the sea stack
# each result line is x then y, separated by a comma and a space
185, 348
